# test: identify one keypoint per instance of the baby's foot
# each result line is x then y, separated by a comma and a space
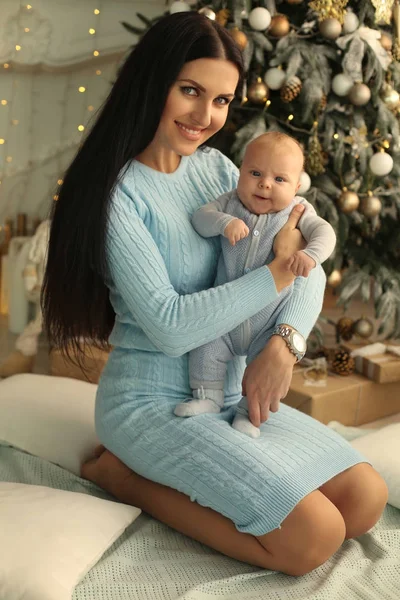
196, 407
241, 423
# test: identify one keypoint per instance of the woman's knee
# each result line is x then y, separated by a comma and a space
308, 537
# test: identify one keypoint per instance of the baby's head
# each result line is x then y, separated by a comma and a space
270, 173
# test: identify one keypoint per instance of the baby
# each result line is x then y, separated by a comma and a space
249, 218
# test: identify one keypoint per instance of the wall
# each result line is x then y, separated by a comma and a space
46, 55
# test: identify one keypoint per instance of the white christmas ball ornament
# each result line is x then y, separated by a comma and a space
342, 84
305, 183
274, 78
259, 18
350, 22
381, 163
178, 6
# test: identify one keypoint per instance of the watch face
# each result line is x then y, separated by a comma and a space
299, 342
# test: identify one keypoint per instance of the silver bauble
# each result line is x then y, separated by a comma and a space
305, 183
207, 12
330, 28
342, 84
381, 163
359, 94
350, 22
275, 78
363, 328
259, 18
178, 6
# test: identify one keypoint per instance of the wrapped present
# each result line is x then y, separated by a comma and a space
89, 369
379, 362
352, 400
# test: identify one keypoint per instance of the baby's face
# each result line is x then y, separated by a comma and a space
269, 176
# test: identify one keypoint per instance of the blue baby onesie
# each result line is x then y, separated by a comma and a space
161, 274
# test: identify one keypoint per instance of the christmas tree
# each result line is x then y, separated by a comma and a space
327, 72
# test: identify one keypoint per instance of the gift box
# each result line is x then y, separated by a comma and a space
91, 364
352, 400
378, 361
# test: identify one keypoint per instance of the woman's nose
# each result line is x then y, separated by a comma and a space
202, 116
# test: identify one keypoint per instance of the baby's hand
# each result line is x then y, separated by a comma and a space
236, 230
300, 264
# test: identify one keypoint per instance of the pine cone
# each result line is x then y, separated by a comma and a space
323, 102
291, 89
344, 328
343, 364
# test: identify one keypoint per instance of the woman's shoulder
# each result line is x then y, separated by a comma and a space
213, 161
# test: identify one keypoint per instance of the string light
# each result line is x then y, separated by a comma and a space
96, 53
92, 31
2, 141
15, 122
96, 11
81, 127
6, 66
60, 181
336, 136
290, 117
9, 159
81, 89
90, 108
28, 6
18, 47
4, 102
98, 72
26, 29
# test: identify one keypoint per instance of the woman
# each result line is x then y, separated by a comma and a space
121, 231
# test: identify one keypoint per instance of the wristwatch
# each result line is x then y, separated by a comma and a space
294, 340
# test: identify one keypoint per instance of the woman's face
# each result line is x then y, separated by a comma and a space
197, 105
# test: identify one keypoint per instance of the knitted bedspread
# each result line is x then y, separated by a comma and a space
150, 561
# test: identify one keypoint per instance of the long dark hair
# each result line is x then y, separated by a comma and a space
75, 299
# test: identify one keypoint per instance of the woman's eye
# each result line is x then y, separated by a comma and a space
222, 100
189, 91
255, 173
279, 179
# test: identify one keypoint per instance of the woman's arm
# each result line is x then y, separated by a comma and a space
176, 324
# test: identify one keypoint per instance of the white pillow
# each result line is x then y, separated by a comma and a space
51, 538
382, 448
50, 417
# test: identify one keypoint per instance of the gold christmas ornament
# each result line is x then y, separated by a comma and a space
240, 37
363, 328
314, 164
348, 201
370, 206
258, 92
344, 328
390, 97
222, 17
359, 94
330, 28
280, 26
383, 11
326, 9
386, 41
291, 89
334, 279
208, 12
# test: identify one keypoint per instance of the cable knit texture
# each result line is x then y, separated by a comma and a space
160, 275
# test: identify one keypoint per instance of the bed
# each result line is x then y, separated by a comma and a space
146, 560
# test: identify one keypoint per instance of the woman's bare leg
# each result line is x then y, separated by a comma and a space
311, 533
360, 494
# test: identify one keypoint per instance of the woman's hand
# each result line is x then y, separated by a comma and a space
289, 239
267, 379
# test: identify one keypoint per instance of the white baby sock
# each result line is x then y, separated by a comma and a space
204, 401
242, 423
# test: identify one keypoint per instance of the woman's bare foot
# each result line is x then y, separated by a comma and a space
106, 471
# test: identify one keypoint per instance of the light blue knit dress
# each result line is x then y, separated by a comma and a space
160, 272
